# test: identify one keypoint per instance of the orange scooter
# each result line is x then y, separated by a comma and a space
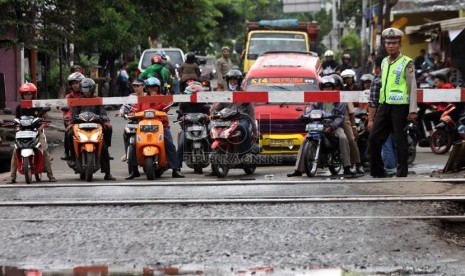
88, 143
150, 143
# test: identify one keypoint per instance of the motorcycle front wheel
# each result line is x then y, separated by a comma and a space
89, 160
149, 167
310, 158
335, 164
441, 141
27, 170
220, 169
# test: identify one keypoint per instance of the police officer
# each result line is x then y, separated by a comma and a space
223, 66
397, 103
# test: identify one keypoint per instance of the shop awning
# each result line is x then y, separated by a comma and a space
418, 34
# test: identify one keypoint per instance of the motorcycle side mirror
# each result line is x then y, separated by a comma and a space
65, 108
7, 110
46, 109
299, 109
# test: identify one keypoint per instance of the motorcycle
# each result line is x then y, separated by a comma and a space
150, 144
412, 141
446, 133
196, 142
226, 141
29, 151
130, 131
361, 122
206, 85
321, 149
88, 144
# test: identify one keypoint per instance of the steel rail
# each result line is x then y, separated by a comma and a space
456, 218
231, 200
234, 183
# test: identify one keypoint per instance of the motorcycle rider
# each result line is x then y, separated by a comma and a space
329, 65
28, 91
166, 62
338, 110
185, 108
87, 88
138, 87
189, 70
158, 71
153, 87
345, 64
74, 81
348, 78
233, 83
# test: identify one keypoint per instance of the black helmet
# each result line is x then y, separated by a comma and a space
201, 60
234, 74
190, 57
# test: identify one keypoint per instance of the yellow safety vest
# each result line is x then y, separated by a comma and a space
394, 81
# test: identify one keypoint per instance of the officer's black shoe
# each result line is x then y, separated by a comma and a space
133, 175
65, 157
108, 176
294, 173
198, 171
425, 142
359, 169
348, 171
177, 173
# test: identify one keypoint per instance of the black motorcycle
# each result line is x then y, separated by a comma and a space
321, 149
196, 140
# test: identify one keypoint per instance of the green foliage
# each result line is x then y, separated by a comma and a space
351, 44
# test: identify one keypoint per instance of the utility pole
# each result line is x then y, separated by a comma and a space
363, 32
379, 28
335, 36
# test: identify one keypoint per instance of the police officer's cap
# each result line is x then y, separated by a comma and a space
392, 35
225, 48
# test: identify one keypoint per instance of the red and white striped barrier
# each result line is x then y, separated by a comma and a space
424, 95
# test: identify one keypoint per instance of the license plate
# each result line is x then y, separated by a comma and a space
314, 126
206, 88
195, 128
25, 134
221, 123
281, 143
131, 125
88, 125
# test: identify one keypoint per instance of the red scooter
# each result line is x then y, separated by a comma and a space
227, 139
29, 152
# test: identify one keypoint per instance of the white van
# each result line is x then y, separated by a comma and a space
176, 55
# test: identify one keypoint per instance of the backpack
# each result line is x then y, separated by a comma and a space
157, 74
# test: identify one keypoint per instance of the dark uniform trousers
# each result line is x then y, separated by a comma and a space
389, 118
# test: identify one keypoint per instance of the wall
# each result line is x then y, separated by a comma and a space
9, 60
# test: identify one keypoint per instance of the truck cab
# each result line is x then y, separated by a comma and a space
281, 130
277, 35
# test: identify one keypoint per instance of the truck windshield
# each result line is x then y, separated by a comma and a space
263, 42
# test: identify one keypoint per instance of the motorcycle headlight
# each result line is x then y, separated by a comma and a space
82, 137
149, 114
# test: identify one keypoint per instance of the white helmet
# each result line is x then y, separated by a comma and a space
367, 77
348, 73
329, 53
76, 76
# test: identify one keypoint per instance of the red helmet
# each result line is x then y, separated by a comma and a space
157, 59
28, 87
